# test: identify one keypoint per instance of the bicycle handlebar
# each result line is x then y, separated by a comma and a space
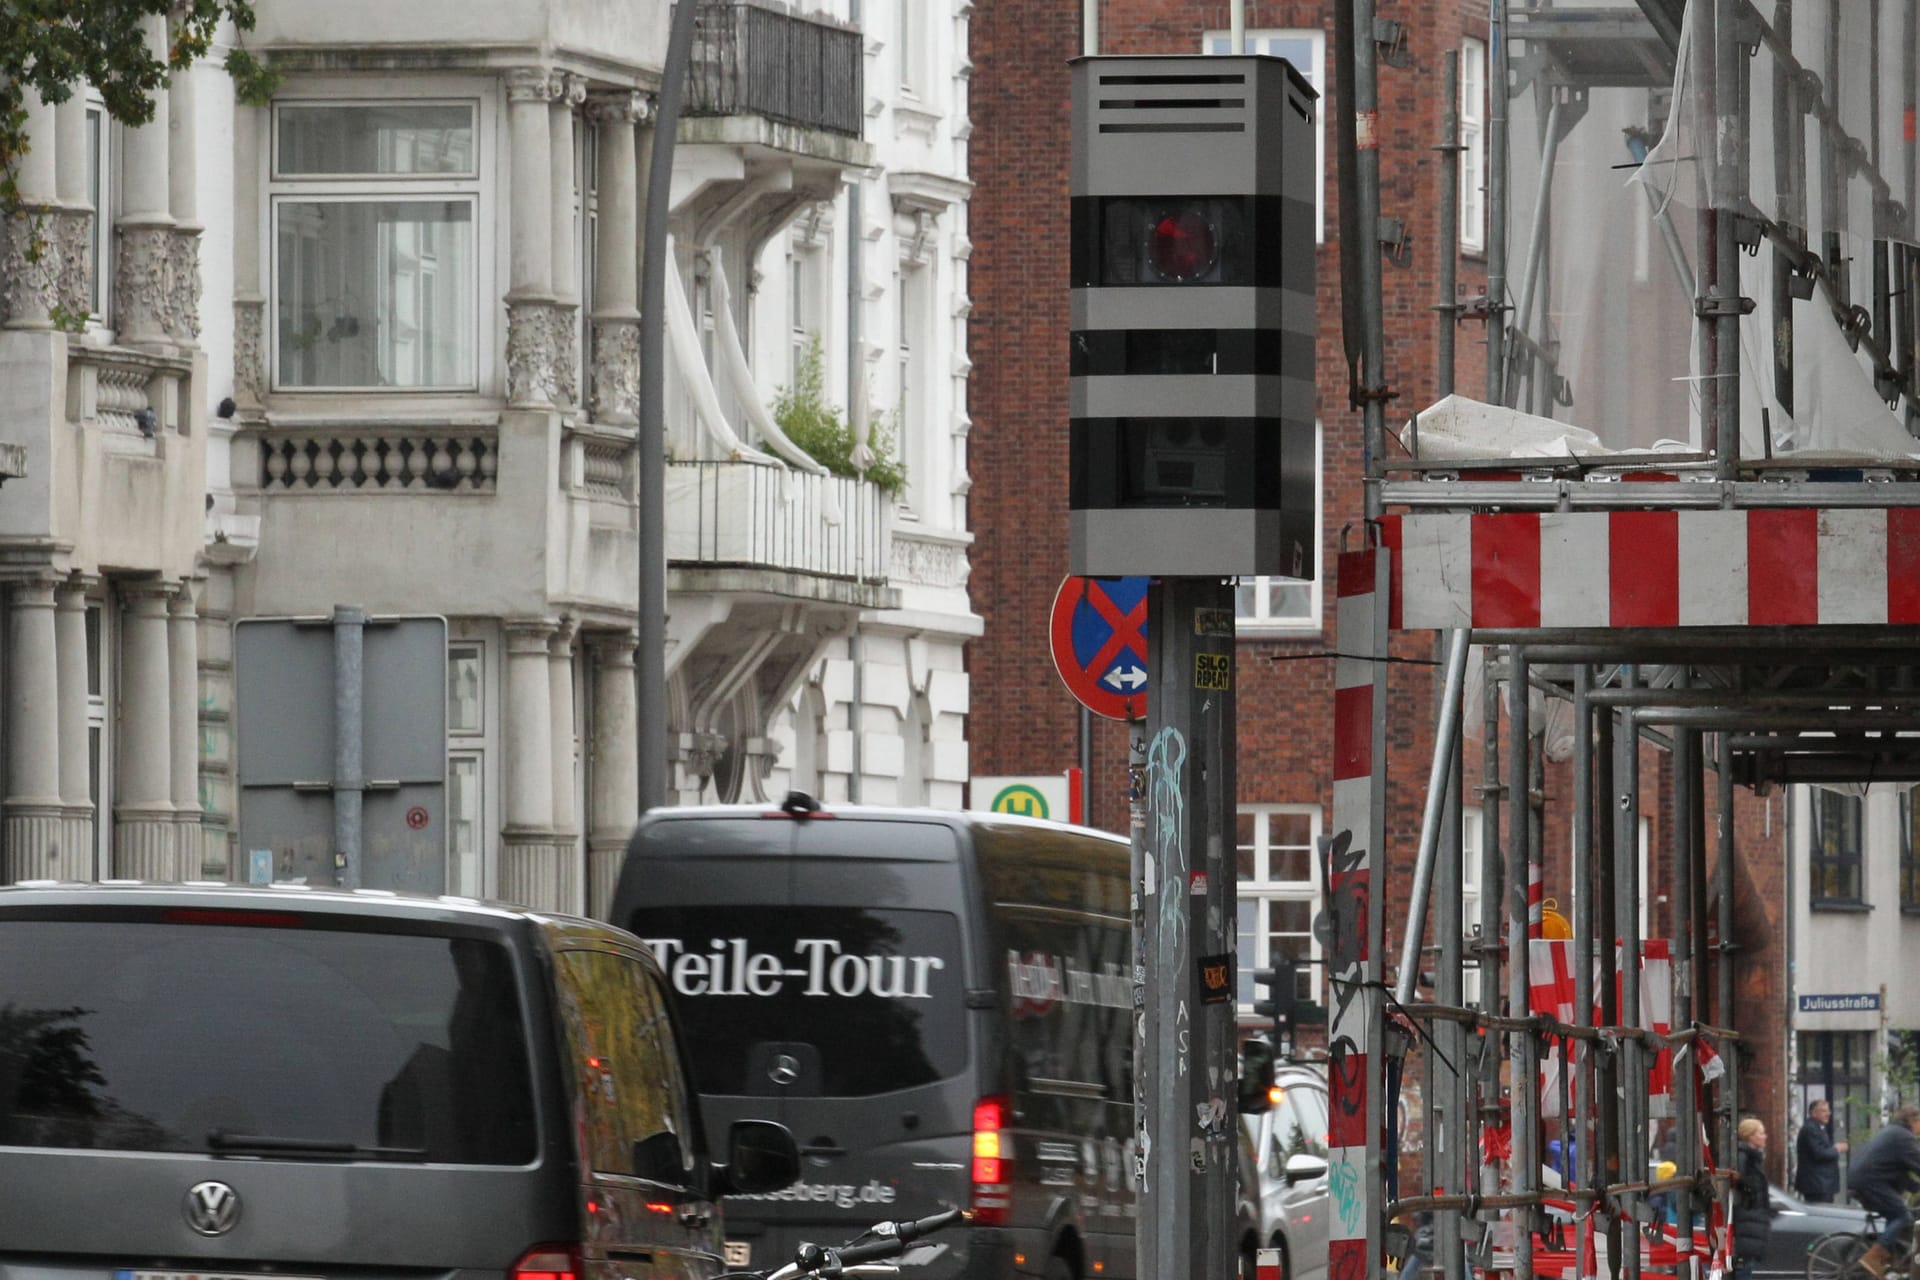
894, 1237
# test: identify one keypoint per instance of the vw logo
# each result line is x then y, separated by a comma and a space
212, 1208
785, 1070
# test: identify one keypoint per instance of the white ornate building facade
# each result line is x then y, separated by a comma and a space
375, 343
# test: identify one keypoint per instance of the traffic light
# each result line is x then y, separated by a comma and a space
1192, 247
1278, 982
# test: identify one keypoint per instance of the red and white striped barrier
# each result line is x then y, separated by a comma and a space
1765, 567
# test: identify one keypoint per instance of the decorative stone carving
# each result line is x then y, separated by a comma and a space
71, 231
538, 335
30, 269
928, 562
529, 84
624, 107
184, 327
616, 371
566, 360
249, 353
570, 89
145, 294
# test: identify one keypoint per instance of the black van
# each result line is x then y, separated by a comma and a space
223, 1083
937, 1005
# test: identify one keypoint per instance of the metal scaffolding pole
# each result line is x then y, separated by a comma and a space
1723, 1010
1586, 1169
1445, 735
1448, 308
1524, 1051
1686, 763
1632, 1078
1607, 1073
1497, 79
1490, 1111
1455, 1134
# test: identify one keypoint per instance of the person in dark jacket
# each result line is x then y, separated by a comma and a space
1817, 1170
1880, 1179
1752, 1221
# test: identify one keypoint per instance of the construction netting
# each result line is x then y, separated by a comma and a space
1794, 117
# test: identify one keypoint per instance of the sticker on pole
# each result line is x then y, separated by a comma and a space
1098, 634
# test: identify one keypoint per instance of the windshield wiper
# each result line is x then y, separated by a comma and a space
221, 1142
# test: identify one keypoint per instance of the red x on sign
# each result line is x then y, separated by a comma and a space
1098, 634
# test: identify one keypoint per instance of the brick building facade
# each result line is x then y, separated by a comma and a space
1023, 719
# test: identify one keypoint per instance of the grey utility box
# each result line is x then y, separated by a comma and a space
1192, 430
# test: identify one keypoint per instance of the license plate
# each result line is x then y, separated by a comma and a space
125, 1274
739, 1254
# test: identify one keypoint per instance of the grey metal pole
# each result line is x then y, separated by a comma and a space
1186, 1227
1496, 200
1492, 901
1607, 1075
1685, 760
1723, 965
1536, 240
1454, 1134
650, 654
349, 728
1445, 735
1524, 1050
1632, 1078
856, 371
1449, 305
1579, 1127
1367, 172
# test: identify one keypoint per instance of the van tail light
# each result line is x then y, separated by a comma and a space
549, 1262
992, 1162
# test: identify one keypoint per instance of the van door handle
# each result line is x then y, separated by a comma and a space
823, 1149
695, 1217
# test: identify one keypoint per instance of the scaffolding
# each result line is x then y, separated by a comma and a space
1686, 511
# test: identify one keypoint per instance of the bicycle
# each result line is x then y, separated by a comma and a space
1836, 1255
864, 1255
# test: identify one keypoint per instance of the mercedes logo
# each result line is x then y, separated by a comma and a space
212, 1208
785, 1070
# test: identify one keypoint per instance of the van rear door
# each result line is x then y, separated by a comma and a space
822, 982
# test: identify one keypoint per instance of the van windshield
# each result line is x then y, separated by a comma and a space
813, 1000
173, 1033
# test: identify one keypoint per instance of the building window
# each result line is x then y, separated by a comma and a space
467, 706
376, 261
1306, 49
799, 314
1909, 857
99, 733
1275, 604
1834, 849
100, 196
909, 416
1279, 894
1473, 145
909, 24
1838, 1066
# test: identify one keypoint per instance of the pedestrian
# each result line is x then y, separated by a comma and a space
1880, 1180
1816, 1173
1752, 1221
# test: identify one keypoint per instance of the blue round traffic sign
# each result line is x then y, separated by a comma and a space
1098, 634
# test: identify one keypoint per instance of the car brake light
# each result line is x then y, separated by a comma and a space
548, 1262
992, 1162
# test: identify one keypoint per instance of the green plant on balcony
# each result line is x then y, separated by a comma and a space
819, 427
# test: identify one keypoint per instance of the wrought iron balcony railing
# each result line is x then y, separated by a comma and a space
752, 57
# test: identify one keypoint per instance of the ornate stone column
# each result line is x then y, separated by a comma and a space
568, 93
183, 688
527, 855
144, 290
533, 321
250, 380
34, 825
29, 255
566, 828
615, 377
144, 847
70, 227
616, 776
76, 765
183, 176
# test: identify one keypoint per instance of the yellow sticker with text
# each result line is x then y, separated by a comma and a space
1213, 671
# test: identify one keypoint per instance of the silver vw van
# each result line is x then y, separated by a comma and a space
204, 1082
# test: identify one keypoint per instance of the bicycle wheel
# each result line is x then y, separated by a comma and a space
1835, 1257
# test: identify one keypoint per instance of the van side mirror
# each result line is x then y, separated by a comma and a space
761, 1157
1256, 1077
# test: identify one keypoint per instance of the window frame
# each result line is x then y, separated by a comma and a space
477, 189
1262, 889
1473, 144
1219, 43
103, 156
1262, 624
1909, 855
1850, 863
